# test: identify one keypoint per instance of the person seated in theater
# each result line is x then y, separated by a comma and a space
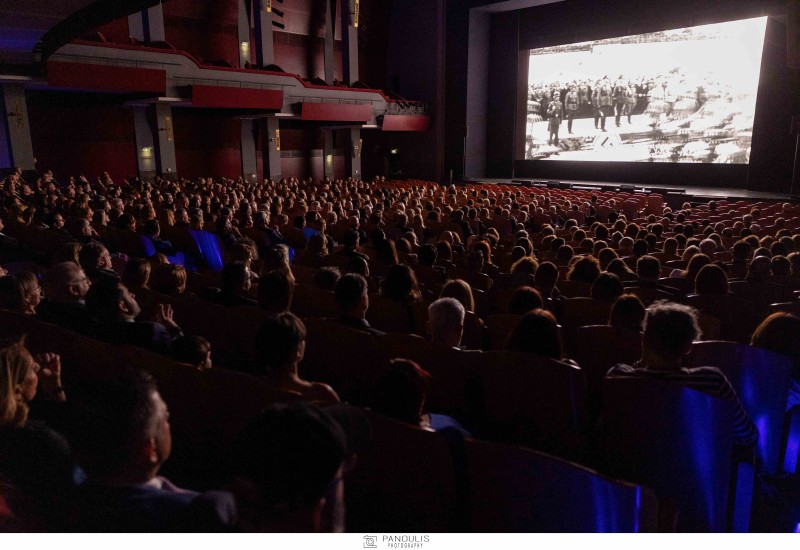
121, 437
152, 230
648, 271
350, 245
11, 250
711, 279
235, 286
326, 278
607, 288
115, 309
84, 232
628, 313
275, 292
669, 331
545, 280
96, 262
525, 299
289, 467
352, 298
446, 322
584, 270
137, 274
20, 293
65, 287
192, 350
400, 392
537, 333
280, 347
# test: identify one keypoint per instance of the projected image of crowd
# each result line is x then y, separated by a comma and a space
664, 118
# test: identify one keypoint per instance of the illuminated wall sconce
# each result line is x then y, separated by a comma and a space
147, 152
245, 46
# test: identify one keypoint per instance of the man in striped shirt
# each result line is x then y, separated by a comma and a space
669, 332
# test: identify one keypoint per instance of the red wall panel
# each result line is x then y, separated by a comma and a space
73, 139
84, 76
236, 98
333, 112
406, 123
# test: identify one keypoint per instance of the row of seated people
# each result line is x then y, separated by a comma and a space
403, 271
124, 498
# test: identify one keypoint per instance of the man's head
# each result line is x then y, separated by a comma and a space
109, 300
289, 465
122, 432
446, 319
236, 277
669, 330
352, 295
281, 343
65, 283
648, 268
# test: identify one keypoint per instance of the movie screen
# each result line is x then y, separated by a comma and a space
683, 95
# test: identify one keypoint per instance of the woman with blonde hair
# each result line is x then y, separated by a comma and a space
19, 382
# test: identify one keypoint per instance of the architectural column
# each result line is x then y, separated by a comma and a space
165, 146
350, 15
15, 129
352, 154
145, 143
330, 29
243, 27
249, 146
271, 148
327, 154
148, 25
262, 25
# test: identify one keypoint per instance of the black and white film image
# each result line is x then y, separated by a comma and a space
684, 95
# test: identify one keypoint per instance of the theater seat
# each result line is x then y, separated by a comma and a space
761, 379
517, 490
679, 442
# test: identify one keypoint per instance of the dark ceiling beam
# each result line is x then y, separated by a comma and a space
87, 19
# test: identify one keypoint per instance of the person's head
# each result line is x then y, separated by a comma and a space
537, 333
236, 278
648, 268
546, 278
122, 433
584, 270
446, 320
170, 279
275, 292
607, 287
281, 343
618, 267
426, 255
288, 470
65, 282
669, 330
277, 257
108, 300
136, 273
12, 295
525, 299
461, 291
741, 251
352, 296
93, 257
350, 239
31, 291
605, 256
696, 263
526, 265
759, 269
627, 313
326, 277
780, 332
400, 391
67, 252
711, 279
192, 350
19, 382
401, 284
